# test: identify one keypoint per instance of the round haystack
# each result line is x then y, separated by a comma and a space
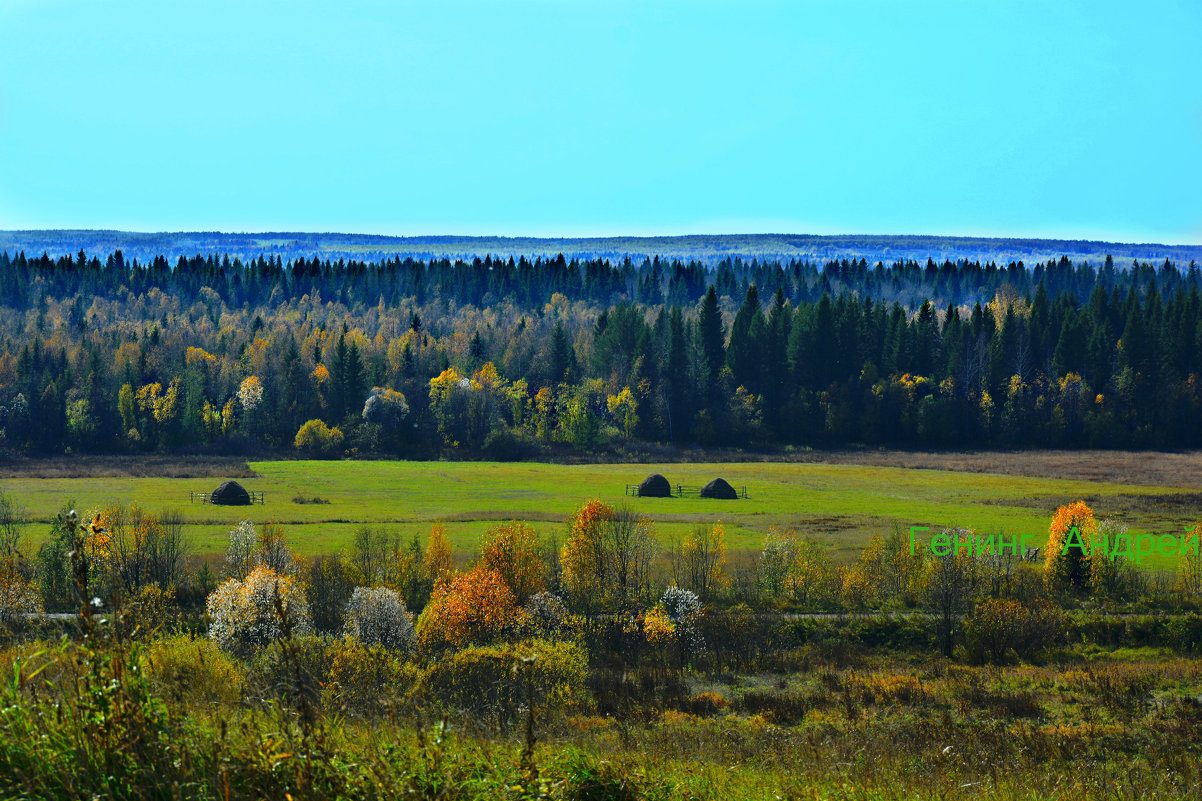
655, 486
718, 488
231, 493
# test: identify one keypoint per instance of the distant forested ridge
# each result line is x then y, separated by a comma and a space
709, 249
507, 357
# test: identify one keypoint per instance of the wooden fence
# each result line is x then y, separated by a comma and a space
681, 491
256, 496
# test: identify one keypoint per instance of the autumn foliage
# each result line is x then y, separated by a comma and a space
607, 556
513, 550
439, 558
1070, 551
18, 597
258, 610
582, 557
473, 608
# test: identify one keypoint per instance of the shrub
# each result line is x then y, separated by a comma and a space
997, 629
318, 439
292, 671
439, 557
777, 706
1071, 556
258, 610
192, 671
658, 626
273, 549
151, 610
504, 444
708, 703
546, 616
492, 679
329, 582
741, 639
18, 597
1112, 577
378, 617
240, 552
681, 605
684, 609
365, 680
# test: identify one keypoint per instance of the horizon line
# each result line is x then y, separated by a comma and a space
610, 236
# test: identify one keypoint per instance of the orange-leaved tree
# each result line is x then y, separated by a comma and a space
1070, 549
513, 550
473, 608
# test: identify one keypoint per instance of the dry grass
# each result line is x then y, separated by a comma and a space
147, 466
1117, 467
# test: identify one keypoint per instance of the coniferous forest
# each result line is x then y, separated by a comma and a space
504, 358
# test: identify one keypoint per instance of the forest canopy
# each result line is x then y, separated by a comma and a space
510, 358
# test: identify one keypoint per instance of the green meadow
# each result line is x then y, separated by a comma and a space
841, 505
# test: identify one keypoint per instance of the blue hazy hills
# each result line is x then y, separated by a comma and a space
702, 247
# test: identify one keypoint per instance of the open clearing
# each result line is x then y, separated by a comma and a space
839, 504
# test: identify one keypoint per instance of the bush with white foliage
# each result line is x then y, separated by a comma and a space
240, 553
545, 615
378, 616
682, 605
684, 609
262, 608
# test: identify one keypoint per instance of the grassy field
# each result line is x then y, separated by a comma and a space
839, 504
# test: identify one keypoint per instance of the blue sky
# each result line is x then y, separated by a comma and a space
569, 117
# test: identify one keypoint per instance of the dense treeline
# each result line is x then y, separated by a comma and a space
508, 356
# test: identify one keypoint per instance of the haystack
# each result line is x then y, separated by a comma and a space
231, 493
655, 486
718, 488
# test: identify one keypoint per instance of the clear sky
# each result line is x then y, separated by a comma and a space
573, 117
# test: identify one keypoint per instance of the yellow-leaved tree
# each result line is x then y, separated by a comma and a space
439, 558
1068, 566
606, 559
699, 563
513, 550
1189, 570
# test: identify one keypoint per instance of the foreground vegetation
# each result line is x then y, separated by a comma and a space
174, 718
596, 666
